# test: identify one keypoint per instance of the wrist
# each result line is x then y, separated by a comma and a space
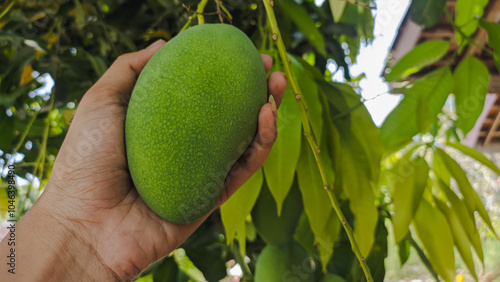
50, 247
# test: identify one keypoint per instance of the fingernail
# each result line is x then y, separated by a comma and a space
273, 104
156, 44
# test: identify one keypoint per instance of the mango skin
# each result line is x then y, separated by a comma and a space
193, 112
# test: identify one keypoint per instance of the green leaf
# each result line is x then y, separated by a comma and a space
310, 95
459, 235
475, 154
493, 30
317, 205
303, 234
147, 278
378, 253
426, 12
404, 247
282, 160
235, 210
408, 182
337, 7
471, 79
467, 222
435, 234
358, 188
422, 55
471, 198
405, 120
79, 15
467, 14
326, 240
305, 24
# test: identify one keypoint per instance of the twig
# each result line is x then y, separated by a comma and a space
276, 36
218, 11
228, 14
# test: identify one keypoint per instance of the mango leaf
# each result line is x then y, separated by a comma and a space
317, 205
310, 94
422, 55
405, 120
146, 278
326, 240
235, 210
426, 12
467, 14
282, 160
305, 24
358, 188
467, 222
363, 129
409, 179
471, 80
79, 15
471, 198
475, 154
404, 247
378, 253
459, 235
304, 235
337, 7
493, 30
428, 222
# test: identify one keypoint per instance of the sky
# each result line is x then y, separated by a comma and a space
371, 59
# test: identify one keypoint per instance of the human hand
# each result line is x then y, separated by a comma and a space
90, 223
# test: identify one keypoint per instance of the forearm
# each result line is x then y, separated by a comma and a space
46, 249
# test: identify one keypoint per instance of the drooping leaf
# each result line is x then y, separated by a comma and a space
326, 240
405, 121
493, 30
404, 247
422, 55
309, 93
475, 154
272, 228
378, 253
426, 12
282, 160
337, 7
467, 222
429, 222
79, 15
470, 196
317, 205
471, 79
358, 188
459, 235
305, 24
467, 14
408, 182
235, 210
303, 234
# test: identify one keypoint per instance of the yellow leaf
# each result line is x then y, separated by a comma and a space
26, 76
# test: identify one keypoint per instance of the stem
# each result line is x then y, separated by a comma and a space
230, 17
240, 259
422, 256
199, 11
6, 8
310, 138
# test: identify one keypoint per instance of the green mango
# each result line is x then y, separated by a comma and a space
285, 262
193, 112
272, 228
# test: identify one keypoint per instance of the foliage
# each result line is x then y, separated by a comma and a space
400, 173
